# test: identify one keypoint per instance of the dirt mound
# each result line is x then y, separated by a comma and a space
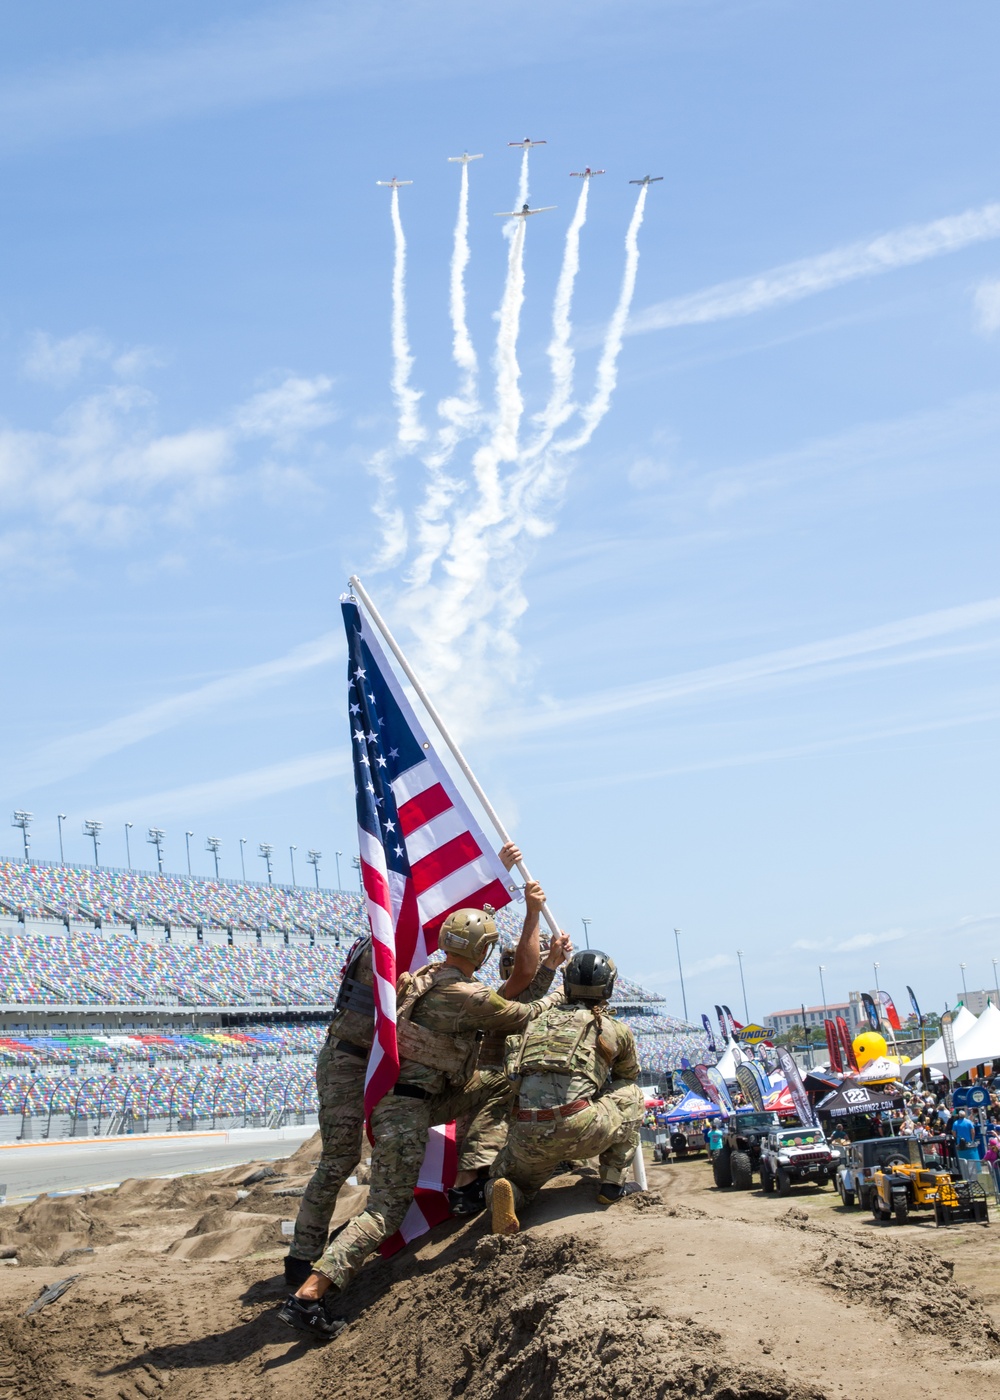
50, 1228
530, 1319
306, 1155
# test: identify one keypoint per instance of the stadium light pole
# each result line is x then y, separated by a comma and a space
155, 838
243, 841
339, 885
314, 858
91, 828
265, 852
23, 820
356, 862
212, 844
291, 857
60, 818
965, 990
996, 983
128, 849
743, 985
586, 930
187, 847
822, 988
878, 989
680, 970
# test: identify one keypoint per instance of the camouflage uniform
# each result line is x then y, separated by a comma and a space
340, 1084
439, 1012
566, 1058
487, 1132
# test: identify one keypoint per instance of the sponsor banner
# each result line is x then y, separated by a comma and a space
690, 1080
734, 1025
891, 1014
708, 1031
850, 1059
747, 1081
856, 1098
796, 1088
915, 1005
722, 1088
754, 1034
871, 1011
723, 1028
708, 1089
833, 1046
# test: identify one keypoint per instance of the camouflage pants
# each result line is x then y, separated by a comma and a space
608, 1130
487, 1133
340, 1084
400, 1128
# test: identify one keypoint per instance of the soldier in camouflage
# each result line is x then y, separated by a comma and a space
525, 979
440, 1011
340, 1087
578, 1095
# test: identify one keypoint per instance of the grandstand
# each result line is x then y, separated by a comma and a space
130, 1000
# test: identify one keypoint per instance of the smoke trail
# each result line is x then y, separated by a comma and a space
522, 184
410, 429
607, 365
560, 351
463, 349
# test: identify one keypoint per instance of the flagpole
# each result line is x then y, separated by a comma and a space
470, 777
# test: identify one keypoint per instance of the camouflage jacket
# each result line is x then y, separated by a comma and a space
447, 1011
358, 1027
491, 1049
570, 1053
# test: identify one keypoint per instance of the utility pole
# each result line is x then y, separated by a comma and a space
822, 988
680, 970
746, 1009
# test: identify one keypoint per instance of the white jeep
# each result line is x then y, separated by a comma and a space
792, 1155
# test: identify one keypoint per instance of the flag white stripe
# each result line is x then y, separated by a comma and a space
455, 887
413, 782
439, 830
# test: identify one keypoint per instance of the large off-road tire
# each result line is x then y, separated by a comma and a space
877, 1211
784, 1182
766, 1179
741, 1170
721, 1168
900, 1207
846, 1194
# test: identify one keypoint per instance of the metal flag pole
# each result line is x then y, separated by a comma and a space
470, 777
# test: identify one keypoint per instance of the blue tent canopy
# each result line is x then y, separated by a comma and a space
692, 1107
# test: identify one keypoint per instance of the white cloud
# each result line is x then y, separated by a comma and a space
227, 794
986, 303
870, 940
792, 281
76, 752
58, 362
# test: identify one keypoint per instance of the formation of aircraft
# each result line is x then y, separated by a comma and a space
526, 144
586, 173
393, 184
464, 158
524, 212
646, 180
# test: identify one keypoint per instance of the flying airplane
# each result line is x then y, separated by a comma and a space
524, 212
586, 173
464, 158
526, 144
646, 180
393, 184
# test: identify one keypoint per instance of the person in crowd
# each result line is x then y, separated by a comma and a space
716, 1137
964, 1133
441, 1011
578, 1096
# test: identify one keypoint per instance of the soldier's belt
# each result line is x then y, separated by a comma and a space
546, 1115
409, 1091
349, 1048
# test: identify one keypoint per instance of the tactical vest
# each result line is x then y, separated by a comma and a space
562, 1040
453, 1053
354, 1011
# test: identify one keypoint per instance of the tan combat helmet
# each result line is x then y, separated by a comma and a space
469, 933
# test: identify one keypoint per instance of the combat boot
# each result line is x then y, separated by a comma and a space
296, 1271
311, 1315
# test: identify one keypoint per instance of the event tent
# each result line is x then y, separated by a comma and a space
731, 1057
980, 1043
934, 1056
691, 1108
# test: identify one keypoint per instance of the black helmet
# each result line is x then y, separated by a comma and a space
589, 976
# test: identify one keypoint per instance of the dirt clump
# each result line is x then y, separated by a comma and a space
49, 1228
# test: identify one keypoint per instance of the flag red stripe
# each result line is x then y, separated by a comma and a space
412, 948
422, 808
376, 886
494, 893
445, 860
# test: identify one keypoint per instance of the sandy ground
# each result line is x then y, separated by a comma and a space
682, 1291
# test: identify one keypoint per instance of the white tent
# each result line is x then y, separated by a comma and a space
980, 1043
731, 1057
934, 1056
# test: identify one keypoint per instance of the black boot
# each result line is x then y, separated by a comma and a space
609, 1192
470, 1199
311, 1315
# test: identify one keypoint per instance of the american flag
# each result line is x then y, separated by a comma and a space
423, 855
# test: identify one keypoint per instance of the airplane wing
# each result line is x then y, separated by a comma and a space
543, 209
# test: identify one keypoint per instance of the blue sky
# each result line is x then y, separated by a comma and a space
729, 665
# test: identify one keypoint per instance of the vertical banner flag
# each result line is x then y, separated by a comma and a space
722, 1025
833, 1046
871, 1011
691, 1081
708, 1031
708, 1089
807, 1115
915, 1005
850, 1059
722, 1089
423, 855
734, 1025
748, 1082
891, 1014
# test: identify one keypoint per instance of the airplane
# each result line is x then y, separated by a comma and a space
393, 184
646, 180
524, 212
464, 158
526, 144
586, 173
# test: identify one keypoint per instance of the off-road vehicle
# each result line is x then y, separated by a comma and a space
739, 1156
790, 1156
